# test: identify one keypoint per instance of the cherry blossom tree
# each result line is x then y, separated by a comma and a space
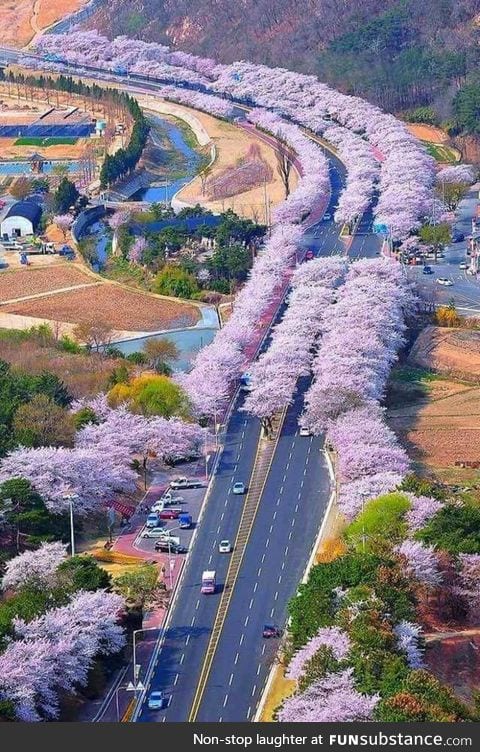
330, 637
119, 219
64, 223
421, 510
90, 475
52, 654
137, 250
332, 699
35, 568
421, 562
408, 641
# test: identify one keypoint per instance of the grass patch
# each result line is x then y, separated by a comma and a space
47, 141
410, 375
442, 153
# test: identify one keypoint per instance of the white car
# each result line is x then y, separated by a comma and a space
239, 488
183, 482
164, 535
225, 547
304, 431
444, 281
152, 520
463, 265
157, 700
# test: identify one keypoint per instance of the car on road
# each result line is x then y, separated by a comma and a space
162, 534
157, 700
152, 520
427, 270
326, 217
309, 255
183, 482
271, 630
239, 488
444, 281
165, 546
169, 514
304, 431
463, 265
457, 236
225, 547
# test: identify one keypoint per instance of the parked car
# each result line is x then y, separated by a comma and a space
152, 520
239, 488
168, 499
183, 482
224, 547
271, 630
457, 236
444, 281
169, 514
160, 532
463, 265
157, 700
309, 255
427, 270
165, 546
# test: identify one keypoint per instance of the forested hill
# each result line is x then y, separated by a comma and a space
397, 53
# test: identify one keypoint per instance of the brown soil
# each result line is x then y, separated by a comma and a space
21, 282
455, 352
120, 308
19, 21
427, 133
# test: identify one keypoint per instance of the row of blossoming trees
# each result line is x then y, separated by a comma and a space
49, 655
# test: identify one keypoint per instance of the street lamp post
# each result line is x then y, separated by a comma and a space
70, 498
136, 669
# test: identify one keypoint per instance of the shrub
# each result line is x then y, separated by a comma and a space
382, 518
455, 529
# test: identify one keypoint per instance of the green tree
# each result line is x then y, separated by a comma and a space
382, 519
151, 395
65, 196
455, 529
140, 587
27, 517
173, 281
84, 416
82, 573
436, 236
41, 422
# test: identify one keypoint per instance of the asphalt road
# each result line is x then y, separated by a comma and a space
287, 523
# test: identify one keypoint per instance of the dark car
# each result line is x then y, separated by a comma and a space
271, 630
457, 236
309, 255
163, 547
169, 514
427, 270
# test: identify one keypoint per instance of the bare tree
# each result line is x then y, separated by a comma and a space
285, 159
95, 334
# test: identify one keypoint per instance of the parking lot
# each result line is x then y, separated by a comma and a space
190, 501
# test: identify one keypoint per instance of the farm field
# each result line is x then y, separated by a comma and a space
119, 308
454, 352
19, 283
48, 141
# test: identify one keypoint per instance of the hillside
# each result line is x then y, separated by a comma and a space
397, 53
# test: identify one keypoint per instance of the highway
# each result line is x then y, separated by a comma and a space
212, 661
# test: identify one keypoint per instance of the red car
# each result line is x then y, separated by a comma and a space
169, 514
271, 630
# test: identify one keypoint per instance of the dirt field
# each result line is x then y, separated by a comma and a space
427, 133
232, 144
8, 150
121, 309
454, 352
22, 282
22, 19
